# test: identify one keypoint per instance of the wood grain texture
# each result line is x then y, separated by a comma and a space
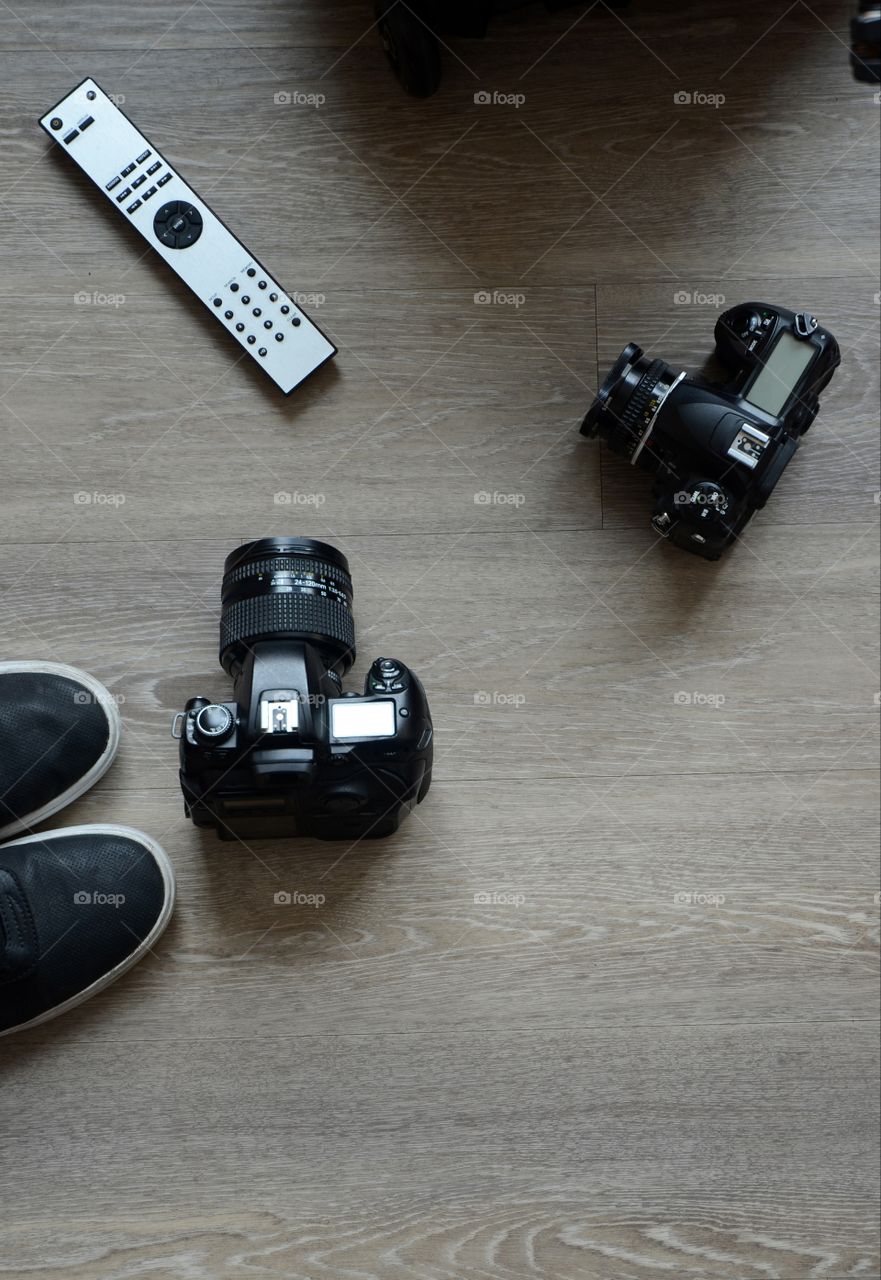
606, 1008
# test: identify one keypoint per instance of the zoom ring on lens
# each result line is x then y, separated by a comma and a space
272, 616
637, 403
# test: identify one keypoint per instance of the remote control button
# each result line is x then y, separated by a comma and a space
129, 168
261, 284
91, 95
114, 182
279, 337
177, 224
273, 297
166, 177
228, 315
233, 288
139, 182
122, 195
245, 299
145, 155
258, 311
296, 322
240, 328
84, 124
218, 302
251, 272
150, 192
69, 137
267, 324
137, 204
251, 339
262, 351
154, 168
285, 309
56, 122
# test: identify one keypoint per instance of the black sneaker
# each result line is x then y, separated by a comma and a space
78, 908
59, 732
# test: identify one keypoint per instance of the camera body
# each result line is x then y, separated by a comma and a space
291, 754
718, 450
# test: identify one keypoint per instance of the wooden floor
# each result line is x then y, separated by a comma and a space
607, 1007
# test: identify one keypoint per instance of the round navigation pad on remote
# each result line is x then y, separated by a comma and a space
177, 224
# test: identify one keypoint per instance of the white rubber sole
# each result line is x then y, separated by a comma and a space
98, 769
161, 859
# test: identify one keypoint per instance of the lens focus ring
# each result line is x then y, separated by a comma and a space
288, 564
636, 406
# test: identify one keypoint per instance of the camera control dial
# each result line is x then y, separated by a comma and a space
386, 676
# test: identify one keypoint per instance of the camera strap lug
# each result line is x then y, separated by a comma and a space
177, 726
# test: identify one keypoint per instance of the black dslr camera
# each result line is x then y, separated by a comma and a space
293, 755
718, 450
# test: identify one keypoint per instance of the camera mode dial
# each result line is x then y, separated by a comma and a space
214, 723
704, 502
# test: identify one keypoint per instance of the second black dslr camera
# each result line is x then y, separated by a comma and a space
293, 754
717, 450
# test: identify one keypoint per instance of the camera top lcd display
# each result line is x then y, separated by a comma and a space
356, 719
781, 373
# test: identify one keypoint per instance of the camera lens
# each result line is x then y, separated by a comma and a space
287, 589
629, 400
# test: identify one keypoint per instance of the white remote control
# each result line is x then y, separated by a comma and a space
171, 217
